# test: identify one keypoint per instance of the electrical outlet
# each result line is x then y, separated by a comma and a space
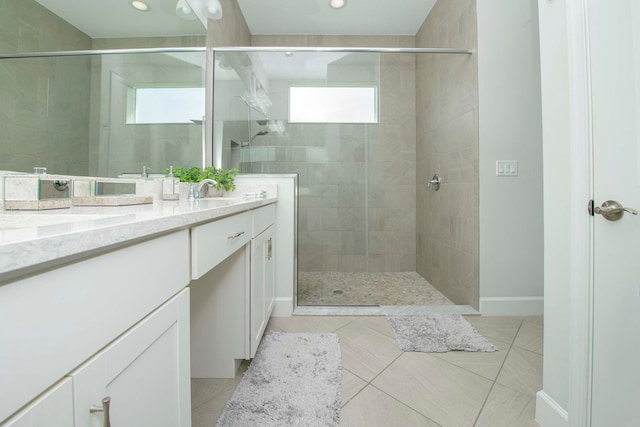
506, 168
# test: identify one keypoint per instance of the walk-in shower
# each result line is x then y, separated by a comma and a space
348, 122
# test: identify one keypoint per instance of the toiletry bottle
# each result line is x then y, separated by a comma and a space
170, 187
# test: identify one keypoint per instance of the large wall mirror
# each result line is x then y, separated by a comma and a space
111, 114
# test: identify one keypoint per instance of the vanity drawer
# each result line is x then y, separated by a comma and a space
212, 243
262, 218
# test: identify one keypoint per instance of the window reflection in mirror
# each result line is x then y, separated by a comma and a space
165, 104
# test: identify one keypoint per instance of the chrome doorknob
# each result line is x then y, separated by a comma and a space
613, 211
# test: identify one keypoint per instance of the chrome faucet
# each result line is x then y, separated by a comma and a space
145, 171
208, 181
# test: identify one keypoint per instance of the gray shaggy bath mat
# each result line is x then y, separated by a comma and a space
294, 380
437, 333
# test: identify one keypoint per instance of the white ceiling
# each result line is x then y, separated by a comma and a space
116, 18
357, 17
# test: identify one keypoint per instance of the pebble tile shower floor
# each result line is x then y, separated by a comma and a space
359, 288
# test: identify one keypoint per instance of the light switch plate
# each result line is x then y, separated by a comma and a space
506, 168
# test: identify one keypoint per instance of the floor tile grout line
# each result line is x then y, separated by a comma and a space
468, 370
370, 383
517, 391
375, 330
404, 404
475, 422
494, 383
359, 391
527, 349
497, 376
524, 348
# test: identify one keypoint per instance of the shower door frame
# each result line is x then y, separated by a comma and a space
216, 155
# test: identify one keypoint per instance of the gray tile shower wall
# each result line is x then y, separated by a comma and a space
447, 143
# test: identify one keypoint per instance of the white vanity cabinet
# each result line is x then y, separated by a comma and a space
144, 374
233, 296
55, 321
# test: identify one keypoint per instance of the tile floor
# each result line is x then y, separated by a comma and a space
383, 386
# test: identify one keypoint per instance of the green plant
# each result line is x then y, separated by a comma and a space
224, 178
192, 174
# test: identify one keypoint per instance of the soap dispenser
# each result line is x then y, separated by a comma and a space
170, 186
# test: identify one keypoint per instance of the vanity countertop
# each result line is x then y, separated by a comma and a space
43, 238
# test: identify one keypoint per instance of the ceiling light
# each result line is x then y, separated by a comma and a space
139, 5
214, 9
184, 11
336, 4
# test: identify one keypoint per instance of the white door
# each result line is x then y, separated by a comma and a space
614, 32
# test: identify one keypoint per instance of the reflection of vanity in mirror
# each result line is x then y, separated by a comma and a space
109, 115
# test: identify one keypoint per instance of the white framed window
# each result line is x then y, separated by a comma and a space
163, 105
333, 104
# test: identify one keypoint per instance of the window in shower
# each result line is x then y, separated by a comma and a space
333, 104
155, 105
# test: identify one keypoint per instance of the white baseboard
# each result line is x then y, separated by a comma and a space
283, 307
549, 413
512, 306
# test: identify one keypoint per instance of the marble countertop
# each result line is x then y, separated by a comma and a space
35, 239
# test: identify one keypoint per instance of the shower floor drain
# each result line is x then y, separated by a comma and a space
337, 292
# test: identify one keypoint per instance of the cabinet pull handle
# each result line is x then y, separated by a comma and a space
106, 403
269, 253
235, 235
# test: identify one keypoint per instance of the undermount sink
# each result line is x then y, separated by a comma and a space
9, 221
223, 201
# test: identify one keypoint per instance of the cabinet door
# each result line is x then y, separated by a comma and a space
53, 409
145, 373
262, 286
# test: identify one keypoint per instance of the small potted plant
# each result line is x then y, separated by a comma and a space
224, 178
193, 175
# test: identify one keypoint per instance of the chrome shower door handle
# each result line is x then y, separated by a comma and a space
435, 182
613, 211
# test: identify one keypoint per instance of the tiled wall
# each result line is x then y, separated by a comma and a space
40, 124
357, 182
231, 30
447, 143
148, 42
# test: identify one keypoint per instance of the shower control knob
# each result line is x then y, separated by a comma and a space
435, 182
